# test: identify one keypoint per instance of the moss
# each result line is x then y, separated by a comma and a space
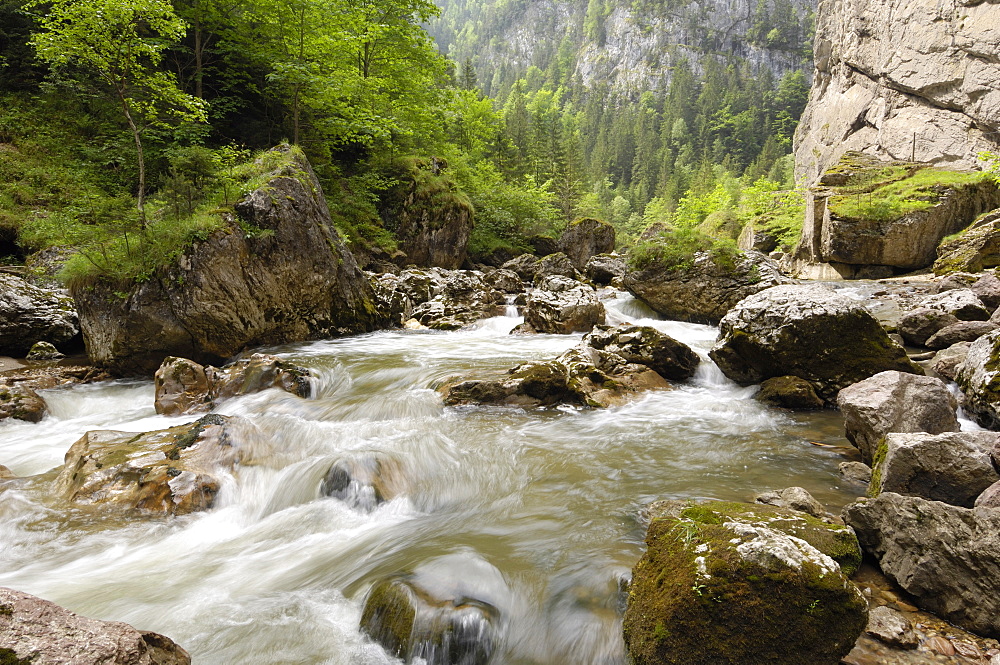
878, 459
6, 611
388, 616
9, 657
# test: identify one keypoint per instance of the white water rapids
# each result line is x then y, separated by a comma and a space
275, 573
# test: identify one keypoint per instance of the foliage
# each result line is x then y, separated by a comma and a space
890, 195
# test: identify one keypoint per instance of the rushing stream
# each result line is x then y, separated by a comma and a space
535, 510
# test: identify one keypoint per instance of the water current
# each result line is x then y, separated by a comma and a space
536, 511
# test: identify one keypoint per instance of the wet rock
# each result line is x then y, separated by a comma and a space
585, 238
895, 402
918, 325
29, 314
506, 281
168, 472
947, 361
954, 467
183, 386
705, 291
963, 304
604, 268
889, 626
963, 331
979, 378
43, 351
777, 332
19, 398
21, 402
789, 392
5, 473
856, 472
555, 264
441, 299
363, 483
793, 498
33, 630
946, 556
294, 281
574, 310
990, 497
712, 571
647, 346
524, 266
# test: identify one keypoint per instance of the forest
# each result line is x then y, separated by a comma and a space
129, 127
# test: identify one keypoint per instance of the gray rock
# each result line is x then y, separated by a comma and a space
954, 467
987, 288
946, 556
789, 392
793, 498
978, 247
962, 303
18, 396
990, 498
891, 627
555, 264
574, 310
856, 472
777, 332
604, 268
895, 402
524, 266
963, 331
506, 281
947, 361
33, 630
979, 378
44, 351
956, 280
29, 314
585, 238
918, 325
442, 299
647, 346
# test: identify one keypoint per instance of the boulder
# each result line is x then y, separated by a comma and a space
979, 378
364, 482
856, 472
36, 631
891, 627
524, 266
554, 264
895, 402
963, 304
987, 289
947, 361
168, 472
43, 351
789, 392
977, 248
792, 498
585, 238
946, 557
704, 291
954, 467
443, 299
505, 281
29, 314
543, 245
291, 280
990, 498
566, 311
918, 325
809, 331
647, 346
726, 583
183, 386
19, 398
963, 331
21, 402
604, 268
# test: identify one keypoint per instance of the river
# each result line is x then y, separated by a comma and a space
537, 511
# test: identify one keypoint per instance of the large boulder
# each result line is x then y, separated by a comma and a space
979, 378
736, 584
29, 314
947, 361
963, 331
605, 268
954, 467
895, 402
647, 346
704, 291
568, 310
183, 386
19, 397
963, 304
789, 392
918, 325
946, 557
36, 631
807, 331
291, 279
168, 472
977, 248
585, 238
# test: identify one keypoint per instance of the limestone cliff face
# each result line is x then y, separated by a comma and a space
902, 79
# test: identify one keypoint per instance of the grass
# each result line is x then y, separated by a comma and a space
676, 248
888, 194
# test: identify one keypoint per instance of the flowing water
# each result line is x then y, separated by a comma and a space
535, 512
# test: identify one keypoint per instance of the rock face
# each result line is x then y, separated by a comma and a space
807, 331
19, 398
901, 79
168, 472
293, 281
29, 314
568, 310
946, 556
895, 402
704, 292
585, 238
740, 584
979, 378
33, 630
183, 386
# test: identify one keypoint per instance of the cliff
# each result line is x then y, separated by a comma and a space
915, 80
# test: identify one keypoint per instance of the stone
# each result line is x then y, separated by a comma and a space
777, 332
21, 402
442, 299
293, 281
793, 498
574, 310
36, 631
945, 556
183, 386
895, 402
954, 467
979, 378
19, 398
891, 627
856, 472
918, 325
963, 304
5, 473
711, 572
705, 291
789, 392
963, 331
554, 264
29, 314
976, 248
167, 472
543, 245
987, 289
990, 497
44, 351
584, 238
604, 268
947, 361
647, 346
505, 281
524, 266
363, 483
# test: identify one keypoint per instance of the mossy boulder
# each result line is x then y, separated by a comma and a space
789, 392
808, 331
727, 584
973, 250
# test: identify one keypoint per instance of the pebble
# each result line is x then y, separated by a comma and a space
940, 645
967, 649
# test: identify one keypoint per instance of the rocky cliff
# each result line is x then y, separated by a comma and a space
902, 79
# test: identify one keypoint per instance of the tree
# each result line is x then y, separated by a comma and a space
120, 42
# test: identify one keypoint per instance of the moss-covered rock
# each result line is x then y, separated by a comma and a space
725, 584
972, 250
